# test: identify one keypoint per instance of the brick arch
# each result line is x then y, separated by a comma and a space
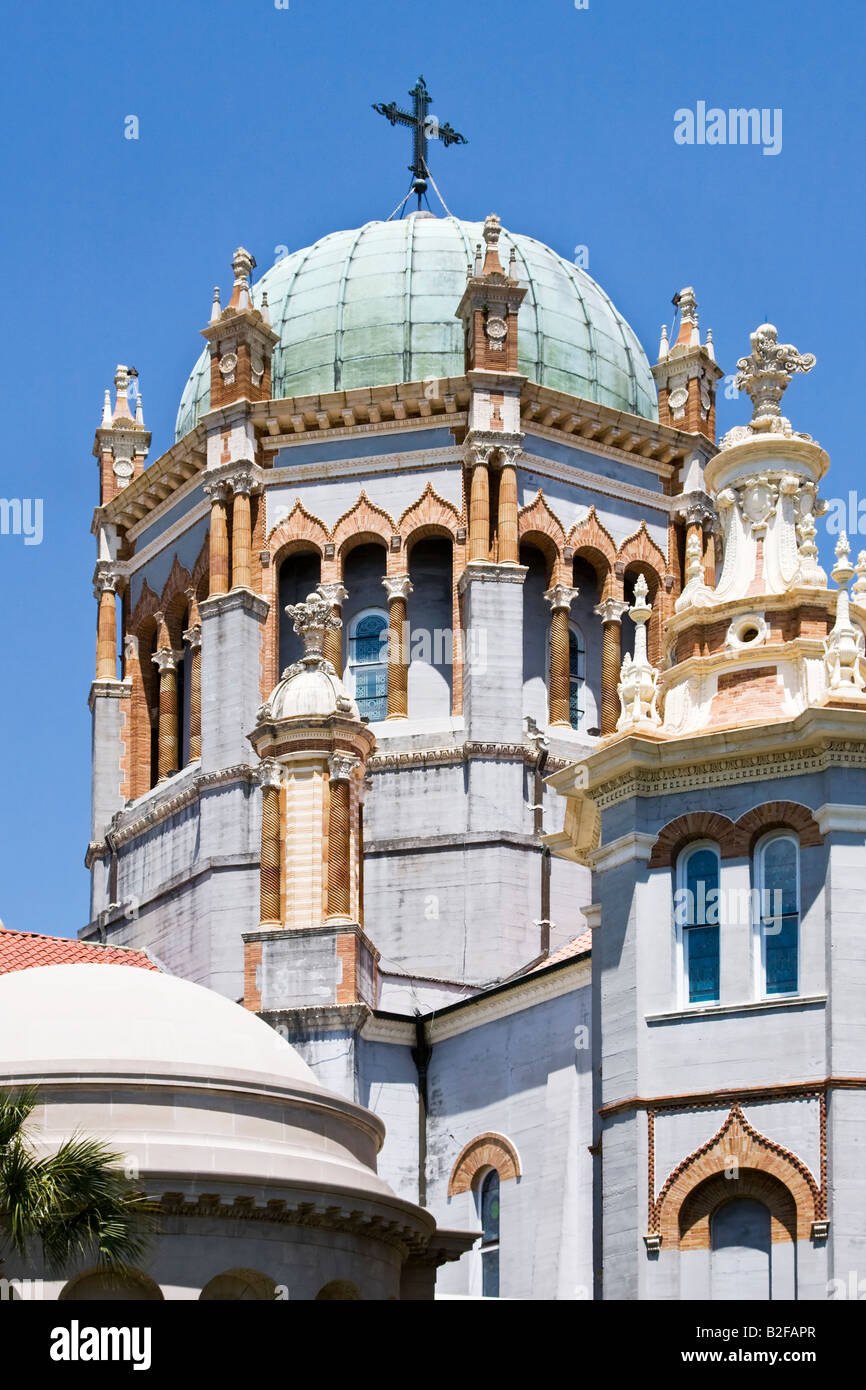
777, 815
146, 607
696, 825
738, 1141
536, 517
703, 1202
487, 1151
431, 515
174, 601
641, 547
362, 523
547, 547
592, 540
299, 526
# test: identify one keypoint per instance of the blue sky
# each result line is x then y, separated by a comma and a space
255, 128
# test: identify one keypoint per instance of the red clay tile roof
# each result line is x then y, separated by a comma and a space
22, 950
577, 947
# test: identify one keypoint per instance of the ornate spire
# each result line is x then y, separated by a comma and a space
844, 646
638, 681
765, 375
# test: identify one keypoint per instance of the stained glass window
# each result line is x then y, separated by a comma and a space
368, 664
780, 915
490, 1235
701, 927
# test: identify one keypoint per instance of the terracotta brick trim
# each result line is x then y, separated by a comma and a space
735, 839
487, 1151
697, 825
778, 815
705, 1199
681, 1212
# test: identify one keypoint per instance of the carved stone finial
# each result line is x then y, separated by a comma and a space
664, 345
121, 387
312, 619
216, 309
765, 376
242, 264
492, 230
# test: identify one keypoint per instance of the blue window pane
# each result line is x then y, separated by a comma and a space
371, 692
490, 1208
369, 640
490, 1273
781, 956
780, 877
702, 880
702, 947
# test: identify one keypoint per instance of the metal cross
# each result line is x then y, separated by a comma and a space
424, 127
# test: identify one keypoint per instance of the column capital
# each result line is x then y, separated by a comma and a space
561, 596
269, 774
107, 578
216, 491
243, 481
397, 586
342, 765
334, 593
165, 660
610, 610
696, 509
192, 636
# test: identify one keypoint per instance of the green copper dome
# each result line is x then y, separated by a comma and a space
376, 306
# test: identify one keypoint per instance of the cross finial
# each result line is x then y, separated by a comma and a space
424, 127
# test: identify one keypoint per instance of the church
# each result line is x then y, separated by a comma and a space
470, 714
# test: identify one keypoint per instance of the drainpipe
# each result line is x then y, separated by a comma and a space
541, 748
421, 1054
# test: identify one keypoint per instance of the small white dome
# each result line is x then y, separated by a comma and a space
57, 1019
310, 690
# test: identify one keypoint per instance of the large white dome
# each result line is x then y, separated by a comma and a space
113, 1019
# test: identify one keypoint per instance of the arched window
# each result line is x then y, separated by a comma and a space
488, 1211
697, 919
741, 1250
368, 663
777, 879
576, 678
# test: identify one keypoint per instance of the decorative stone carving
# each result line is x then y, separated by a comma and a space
765, 376
311, 620
844, 645
342, 765
561, 596
192, 636
397, 586
748, 630
269, 774
638, 682
228, 367
165, 659
610, 610
858, 592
